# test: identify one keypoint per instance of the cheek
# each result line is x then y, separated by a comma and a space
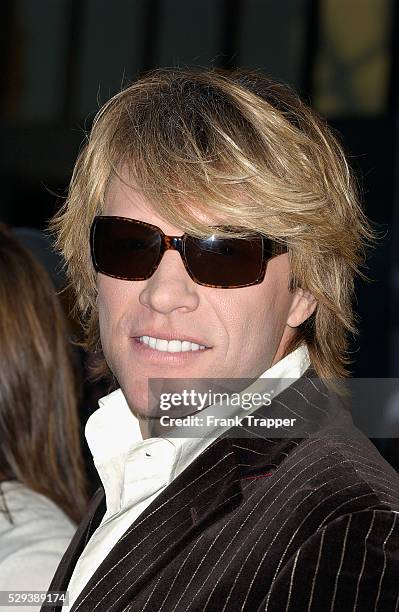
266, 309
105, 305
106, 325
111, 304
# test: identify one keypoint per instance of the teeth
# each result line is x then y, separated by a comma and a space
171, 346
152, 342
162, 345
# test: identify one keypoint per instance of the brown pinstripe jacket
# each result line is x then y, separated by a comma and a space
254, 524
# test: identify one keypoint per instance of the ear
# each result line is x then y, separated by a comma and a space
302, 306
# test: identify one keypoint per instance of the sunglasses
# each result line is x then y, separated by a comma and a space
132, 250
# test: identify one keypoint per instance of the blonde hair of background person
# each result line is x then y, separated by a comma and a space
259, 155
39, 430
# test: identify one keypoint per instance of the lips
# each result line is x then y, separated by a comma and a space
153, 357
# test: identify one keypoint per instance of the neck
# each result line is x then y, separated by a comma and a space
144, 428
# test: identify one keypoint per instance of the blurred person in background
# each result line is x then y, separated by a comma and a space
42, 482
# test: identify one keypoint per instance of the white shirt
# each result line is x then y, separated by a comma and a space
32, 546
134, 471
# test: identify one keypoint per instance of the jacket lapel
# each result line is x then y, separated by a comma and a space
205, 491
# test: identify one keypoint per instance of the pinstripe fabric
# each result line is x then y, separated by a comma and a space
257, 524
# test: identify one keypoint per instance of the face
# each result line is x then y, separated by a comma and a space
242, 329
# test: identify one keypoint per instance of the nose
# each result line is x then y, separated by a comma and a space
170, 287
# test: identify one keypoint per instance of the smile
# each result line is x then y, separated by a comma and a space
171, 346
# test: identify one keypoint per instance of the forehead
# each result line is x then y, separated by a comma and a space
125, 199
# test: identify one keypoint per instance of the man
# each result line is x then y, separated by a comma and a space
212, 231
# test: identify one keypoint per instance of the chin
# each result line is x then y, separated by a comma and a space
138, 402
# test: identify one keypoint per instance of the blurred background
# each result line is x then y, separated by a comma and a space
62, 59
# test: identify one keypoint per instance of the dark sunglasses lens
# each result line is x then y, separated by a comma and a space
225, 262
125, 249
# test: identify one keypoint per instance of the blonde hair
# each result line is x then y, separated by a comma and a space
232, 146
